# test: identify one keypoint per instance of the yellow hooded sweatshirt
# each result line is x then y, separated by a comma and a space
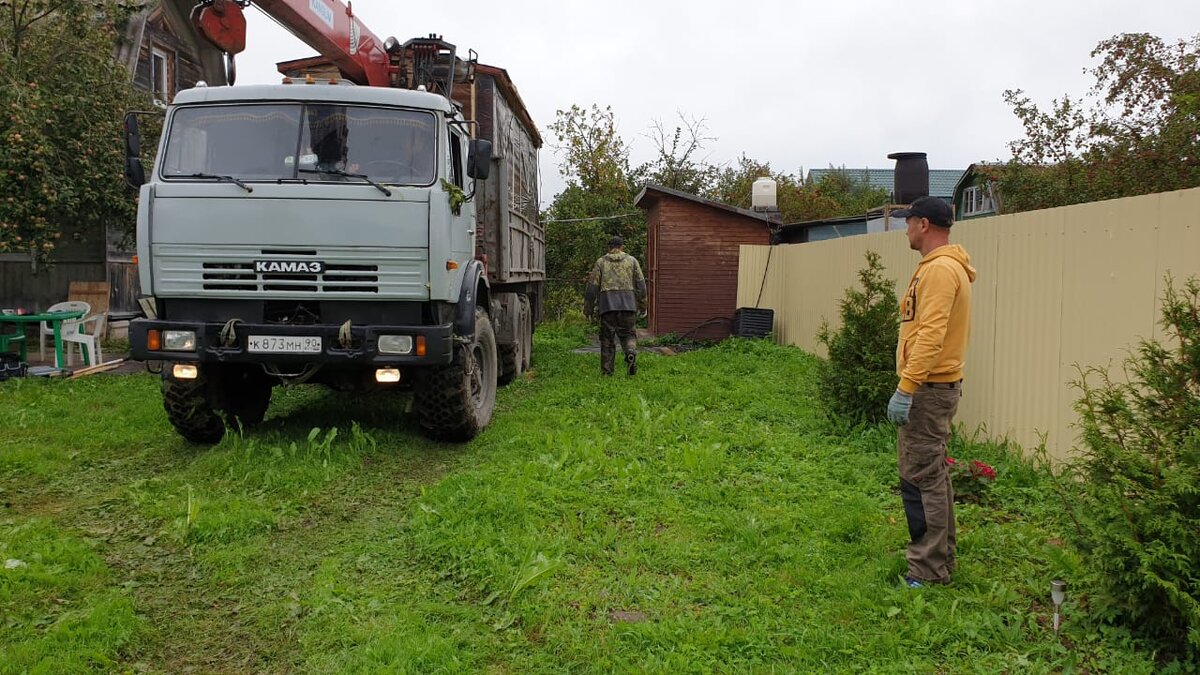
935, 319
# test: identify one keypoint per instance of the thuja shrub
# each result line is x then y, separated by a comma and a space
859, 376
1135, 497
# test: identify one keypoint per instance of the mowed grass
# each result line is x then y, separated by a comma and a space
699, 517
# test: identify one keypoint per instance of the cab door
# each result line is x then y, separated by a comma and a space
461, 223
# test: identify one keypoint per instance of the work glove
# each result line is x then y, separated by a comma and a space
898, 408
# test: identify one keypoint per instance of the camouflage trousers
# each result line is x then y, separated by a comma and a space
925, 482
616, 326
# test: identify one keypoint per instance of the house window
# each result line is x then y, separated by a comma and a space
977, 200
162, 70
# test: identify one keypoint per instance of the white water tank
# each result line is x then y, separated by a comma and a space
762, 195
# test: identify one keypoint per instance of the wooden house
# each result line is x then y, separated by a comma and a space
158, 51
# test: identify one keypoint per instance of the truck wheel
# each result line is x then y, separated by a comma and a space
190, 411
247, 396
455, 402
510, 363
526, 333
514, 358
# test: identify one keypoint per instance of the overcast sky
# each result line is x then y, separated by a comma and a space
797, 84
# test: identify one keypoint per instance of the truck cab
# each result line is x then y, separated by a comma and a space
316, 232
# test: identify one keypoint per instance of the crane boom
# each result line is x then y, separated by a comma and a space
328, 26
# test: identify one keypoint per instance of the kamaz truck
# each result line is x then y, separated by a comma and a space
369, 228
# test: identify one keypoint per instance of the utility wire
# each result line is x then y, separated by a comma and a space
580, 220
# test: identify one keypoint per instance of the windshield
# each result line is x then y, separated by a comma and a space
301, 142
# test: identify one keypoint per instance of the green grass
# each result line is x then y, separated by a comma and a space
699, 517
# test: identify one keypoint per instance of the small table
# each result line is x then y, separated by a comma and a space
55, 319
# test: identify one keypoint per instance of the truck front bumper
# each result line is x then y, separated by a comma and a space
236, 346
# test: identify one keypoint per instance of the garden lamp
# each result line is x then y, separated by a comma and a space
1058, 592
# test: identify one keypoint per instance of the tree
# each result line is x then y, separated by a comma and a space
732, 184
596, 203
1133, 491
596, 158
839, 192
860, 374
1133, 133
676, 165
845, 192
62, 95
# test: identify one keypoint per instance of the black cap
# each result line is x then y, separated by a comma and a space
616, 242
935, 210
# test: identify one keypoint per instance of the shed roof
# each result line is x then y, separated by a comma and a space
651, 193
941, 181
841, 220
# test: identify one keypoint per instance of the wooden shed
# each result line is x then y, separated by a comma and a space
692, 248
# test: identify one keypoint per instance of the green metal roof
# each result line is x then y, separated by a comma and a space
941, 181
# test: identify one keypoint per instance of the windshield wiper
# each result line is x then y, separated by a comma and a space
339, 172
220, 179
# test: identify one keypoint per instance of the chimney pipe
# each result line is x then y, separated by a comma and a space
911, 176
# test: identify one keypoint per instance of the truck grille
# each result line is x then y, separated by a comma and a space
396, 273
337, 278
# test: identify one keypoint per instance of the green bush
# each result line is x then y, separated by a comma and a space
563, 301
1135, 493
860, 375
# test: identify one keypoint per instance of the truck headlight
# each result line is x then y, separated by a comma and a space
395, 344
179, 340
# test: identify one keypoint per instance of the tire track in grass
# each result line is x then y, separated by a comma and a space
228, 597
199, 601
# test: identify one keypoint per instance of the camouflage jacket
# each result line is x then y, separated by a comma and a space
615, 279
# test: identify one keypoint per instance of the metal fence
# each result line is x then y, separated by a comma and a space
1058, 288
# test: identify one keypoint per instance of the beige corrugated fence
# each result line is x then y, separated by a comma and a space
1059, 287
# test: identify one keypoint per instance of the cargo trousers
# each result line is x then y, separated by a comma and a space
616, 326
925, 482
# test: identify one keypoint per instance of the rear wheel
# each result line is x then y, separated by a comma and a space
189, 409
514, 358
455, 402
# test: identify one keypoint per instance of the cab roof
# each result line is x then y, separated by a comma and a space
301, 92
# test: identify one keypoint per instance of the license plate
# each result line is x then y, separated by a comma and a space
284, 344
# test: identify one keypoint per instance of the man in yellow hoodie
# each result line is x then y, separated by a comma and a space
935, 323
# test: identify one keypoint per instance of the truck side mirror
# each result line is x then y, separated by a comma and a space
135, 173
133, 136
479, 159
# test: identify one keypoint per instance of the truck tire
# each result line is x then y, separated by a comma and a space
455, 402
514, 358
247, 397
510, 358
190, 411
526, 333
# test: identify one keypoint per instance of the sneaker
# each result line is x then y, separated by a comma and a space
913, 583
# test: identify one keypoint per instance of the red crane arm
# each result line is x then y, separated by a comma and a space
328, 26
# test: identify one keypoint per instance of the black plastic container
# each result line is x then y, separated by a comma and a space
911, 176
751, 322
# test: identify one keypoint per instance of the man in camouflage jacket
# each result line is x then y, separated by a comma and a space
615, 279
